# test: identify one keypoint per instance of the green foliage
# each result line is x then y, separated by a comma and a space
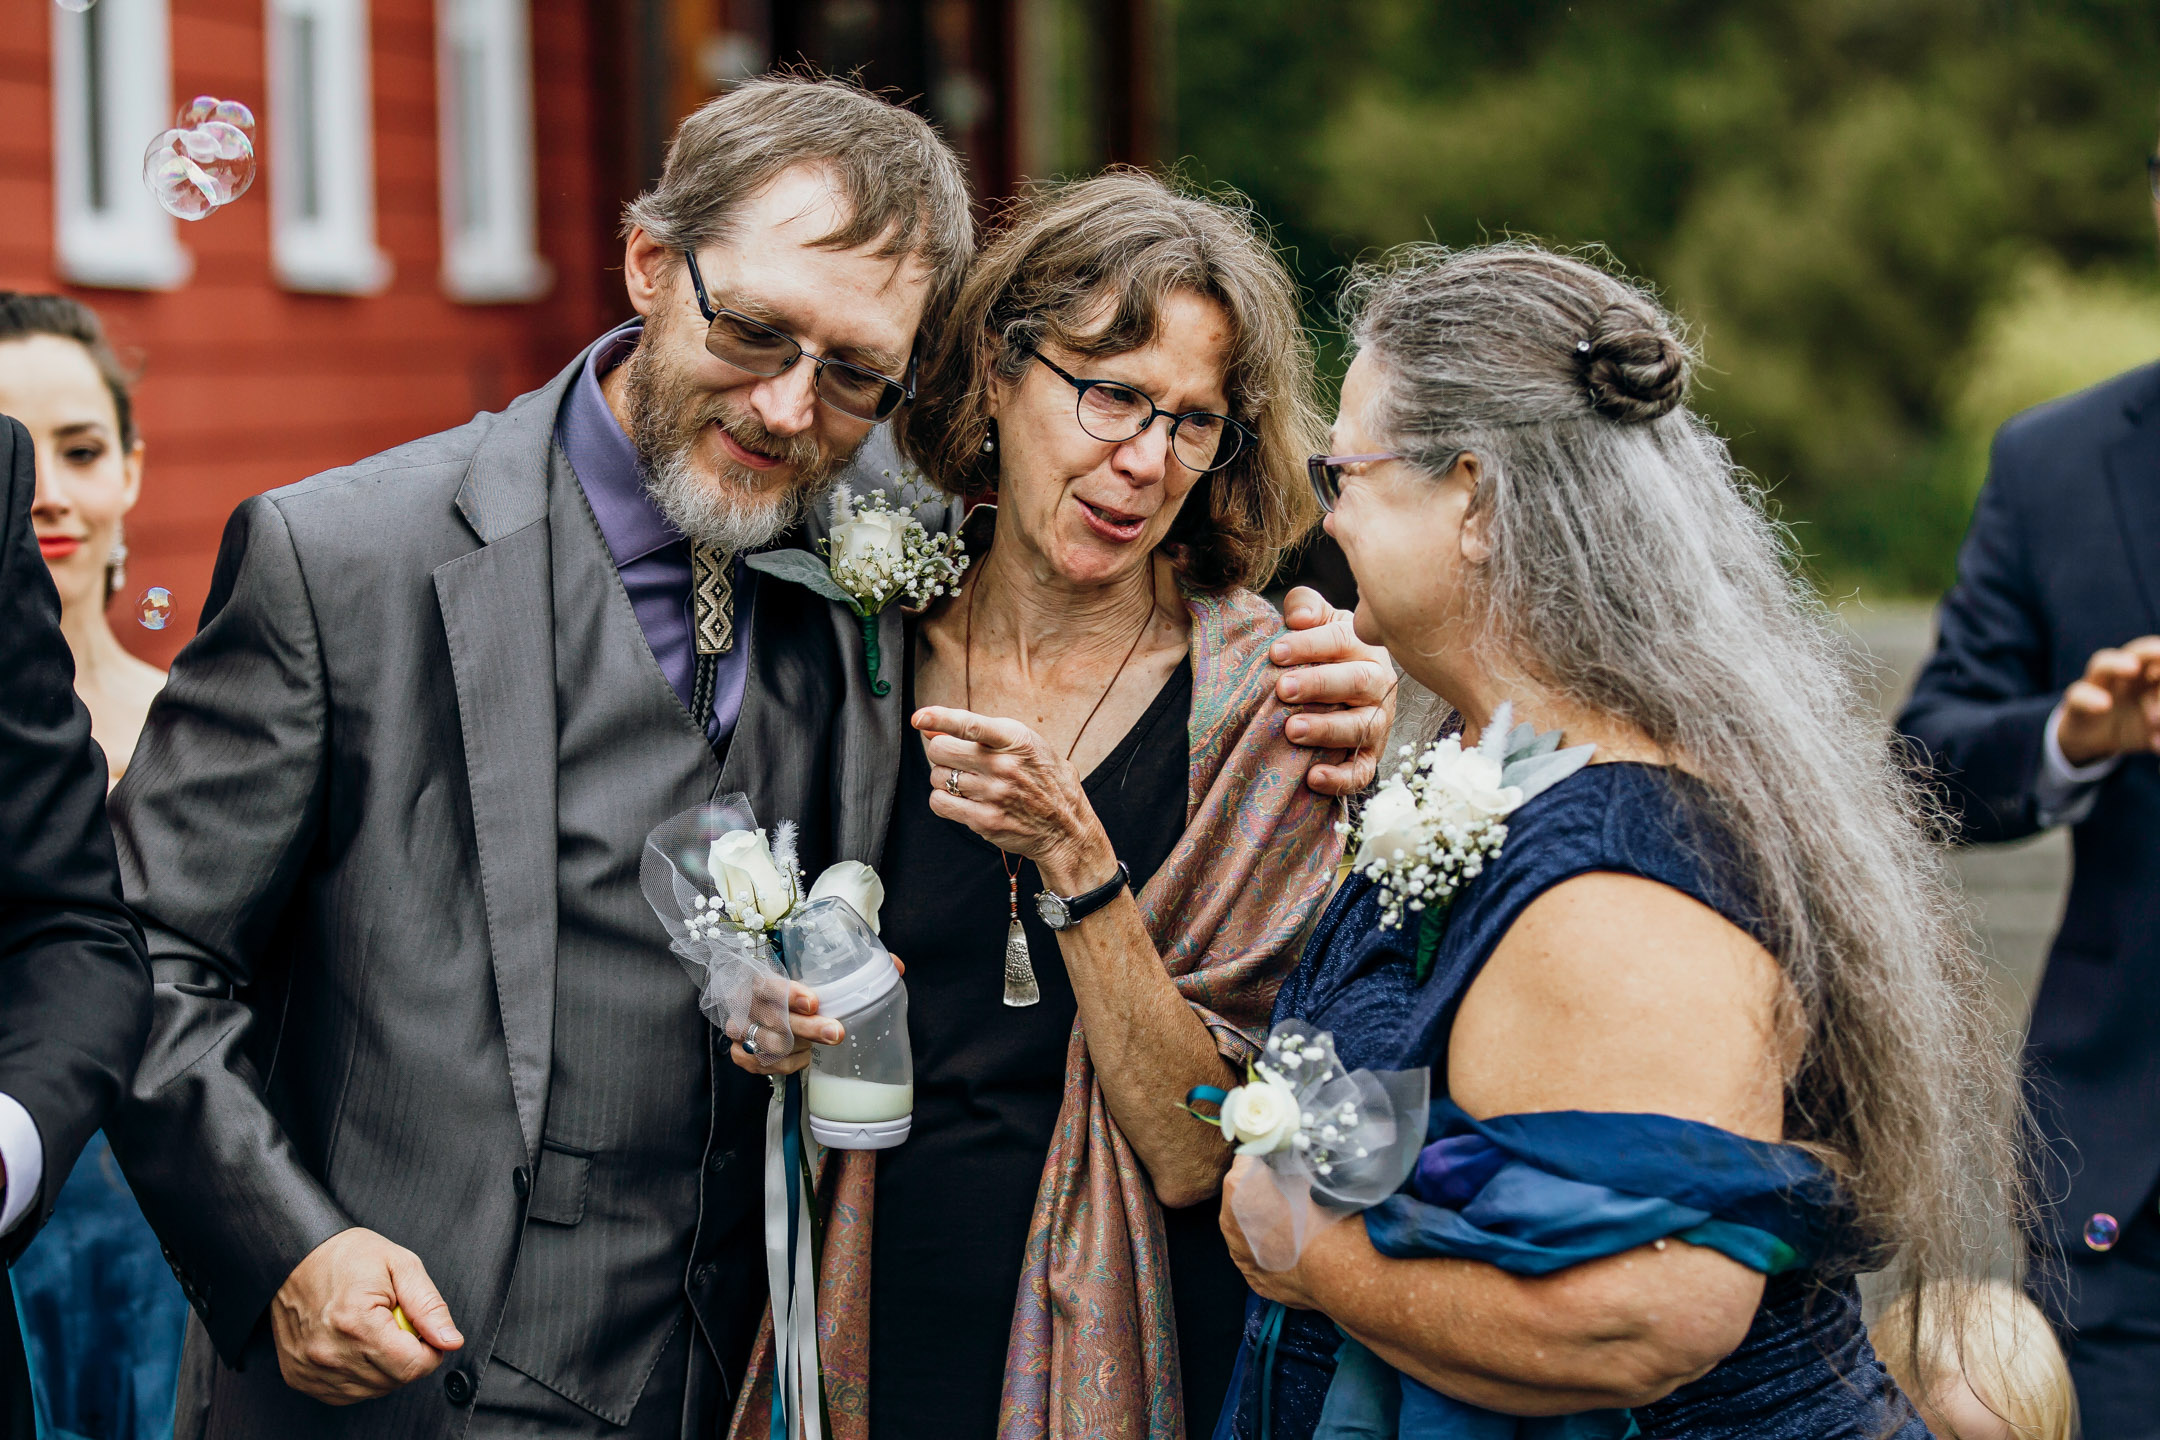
1847, 200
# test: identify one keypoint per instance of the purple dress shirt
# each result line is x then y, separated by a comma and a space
651, 556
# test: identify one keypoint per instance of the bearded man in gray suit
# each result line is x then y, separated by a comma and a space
419, 1043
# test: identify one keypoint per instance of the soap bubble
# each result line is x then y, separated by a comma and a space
193, 171
2102, 1231
78, 6
204, 108
155, 608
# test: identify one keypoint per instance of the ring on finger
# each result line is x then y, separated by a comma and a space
749, 1039
952, 782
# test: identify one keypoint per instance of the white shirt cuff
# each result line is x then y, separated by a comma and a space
23, 1153
2064, 794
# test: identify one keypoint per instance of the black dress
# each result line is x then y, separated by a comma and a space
953, 1202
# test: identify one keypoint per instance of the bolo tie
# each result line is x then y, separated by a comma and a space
712, 613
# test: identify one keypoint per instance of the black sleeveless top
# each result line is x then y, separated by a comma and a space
954, 1201
1805, 1370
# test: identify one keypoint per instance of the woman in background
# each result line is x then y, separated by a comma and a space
102, 1316
61, 379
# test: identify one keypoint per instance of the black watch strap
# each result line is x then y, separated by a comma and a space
1060, 911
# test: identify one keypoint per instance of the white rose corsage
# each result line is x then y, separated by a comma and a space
877, 552
1429, 829
721, 886
1345, 1138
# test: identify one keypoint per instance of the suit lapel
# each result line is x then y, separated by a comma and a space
498, 618
2133, 463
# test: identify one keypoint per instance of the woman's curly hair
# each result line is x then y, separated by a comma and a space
1085, 265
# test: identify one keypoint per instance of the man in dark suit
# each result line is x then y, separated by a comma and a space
74, 988
2041, 707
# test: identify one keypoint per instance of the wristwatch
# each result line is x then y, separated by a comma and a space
1060, 911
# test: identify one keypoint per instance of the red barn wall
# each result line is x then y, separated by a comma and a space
246, 386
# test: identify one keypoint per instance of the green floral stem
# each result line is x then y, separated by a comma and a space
1432, 924
870, 655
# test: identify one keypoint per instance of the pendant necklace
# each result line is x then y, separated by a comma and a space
1020, 987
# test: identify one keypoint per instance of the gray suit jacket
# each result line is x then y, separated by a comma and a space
340, 832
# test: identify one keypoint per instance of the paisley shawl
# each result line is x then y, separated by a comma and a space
1093, 1350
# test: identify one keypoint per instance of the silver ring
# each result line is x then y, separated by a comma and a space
749, 1039
952, 782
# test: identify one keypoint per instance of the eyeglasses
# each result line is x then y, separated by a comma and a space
758, 349
1326, 474
2152, 174
1114, 412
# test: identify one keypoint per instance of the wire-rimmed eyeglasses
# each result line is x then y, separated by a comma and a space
1113, 412
1326, 474
756, 348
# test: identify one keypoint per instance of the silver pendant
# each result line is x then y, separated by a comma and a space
1020, 987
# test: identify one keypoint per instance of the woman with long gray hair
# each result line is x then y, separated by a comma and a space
1705, 1036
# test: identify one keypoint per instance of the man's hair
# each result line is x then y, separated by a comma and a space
24, 314
905, 189
1085, 265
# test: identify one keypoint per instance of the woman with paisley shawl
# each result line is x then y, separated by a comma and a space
1127, 379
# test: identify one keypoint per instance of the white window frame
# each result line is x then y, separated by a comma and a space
108, 229
483, 75
320, 135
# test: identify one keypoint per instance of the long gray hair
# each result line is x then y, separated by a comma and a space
1634, 570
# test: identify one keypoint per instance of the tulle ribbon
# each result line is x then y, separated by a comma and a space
1354, 1141
742, 987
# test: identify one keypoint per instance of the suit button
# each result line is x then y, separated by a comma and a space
458, 1388
703, 1275
717, 1161
521, 1181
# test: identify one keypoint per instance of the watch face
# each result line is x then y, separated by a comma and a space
1052, 909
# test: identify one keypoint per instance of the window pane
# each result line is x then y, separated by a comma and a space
305, 121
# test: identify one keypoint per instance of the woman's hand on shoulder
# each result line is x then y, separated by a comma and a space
1342, 688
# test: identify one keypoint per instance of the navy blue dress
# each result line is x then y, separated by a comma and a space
1805, 1370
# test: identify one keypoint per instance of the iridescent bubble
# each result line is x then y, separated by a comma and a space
176, 179
2102, 1231
155, 608
194, 171
78, 6
205, 108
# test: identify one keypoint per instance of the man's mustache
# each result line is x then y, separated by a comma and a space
800, 453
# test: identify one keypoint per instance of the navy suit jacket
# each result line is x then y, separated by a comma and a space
74, 986
2063, 559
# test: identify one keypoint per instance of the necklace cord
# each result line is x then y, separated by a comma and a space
967, 671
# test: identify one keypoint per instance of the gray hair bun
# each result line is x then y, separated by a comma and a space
1634, 368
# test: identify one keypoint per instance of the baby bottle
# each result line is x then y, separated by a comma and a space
861, 1092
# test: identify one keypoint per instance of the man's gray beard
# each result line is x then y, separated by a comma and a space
730, 516
668, 416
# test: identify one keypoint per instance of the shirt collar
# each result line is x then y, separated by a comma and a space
604, 460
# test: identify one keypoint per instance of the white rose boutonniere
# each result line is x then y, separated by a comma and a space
1430, 828
876, 553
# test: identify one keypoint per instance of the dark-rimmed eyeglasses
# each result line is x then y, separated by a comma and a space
2152, 174
1326, 474
756, 348
1113, 412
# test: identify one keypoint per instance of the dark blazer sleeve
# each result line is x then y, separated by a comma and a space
74, 991
1978, 714
215, 820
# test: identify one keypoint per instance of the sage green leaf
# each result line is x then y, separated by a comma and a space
805, 570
